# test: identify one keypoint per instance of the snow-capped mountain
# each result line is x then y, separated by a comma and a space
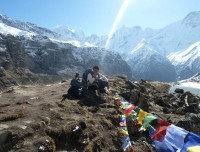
178, 36
32, 31
187, 62
14, 31
125, 39
70, 33
97, 40
172, 38
195, 78
26, 27
80, 36
25, 46
147, 63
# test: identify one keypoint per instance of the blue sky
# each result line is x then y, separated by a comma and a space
98, 16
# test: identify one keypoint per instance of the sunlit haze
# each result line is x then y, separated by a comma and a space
117, 20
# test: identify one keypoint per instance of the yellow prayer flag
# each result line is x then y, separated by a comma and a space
193, 149
141, 116
122, 131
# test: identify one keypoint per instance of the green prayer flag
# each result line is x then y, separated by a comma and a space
147, 120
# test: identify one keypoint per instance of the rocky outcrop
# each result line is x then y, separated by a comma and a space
12, 52
155, 95
190, 123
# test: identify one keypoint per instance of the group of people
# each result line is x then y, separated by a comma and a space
92, 80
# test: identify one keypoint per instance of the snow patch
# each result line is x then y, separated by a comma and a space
75, 43
191, 85
4, 29
87, 44
190, 53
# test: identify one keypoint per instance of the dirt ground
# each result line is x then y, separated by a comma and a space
33, 118
36, 112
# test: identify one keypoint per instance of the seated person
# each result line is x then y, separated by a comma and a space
93, 80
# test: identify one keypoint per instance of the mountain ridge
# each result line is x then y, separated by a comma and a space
149, 64
34, 52
175, 37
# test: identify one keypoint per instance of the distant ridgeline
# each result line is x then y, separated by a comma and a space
133, 52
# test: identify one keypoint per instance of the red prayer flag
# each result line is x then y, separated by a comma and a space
161, 129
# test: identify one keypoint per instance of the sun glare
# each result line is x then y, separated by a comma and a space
120, 14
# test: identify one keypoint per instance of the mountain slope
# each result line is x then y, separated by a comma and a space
178, 36
187, 62
32, 51
28, 27
70, 33
148, 64
172, 38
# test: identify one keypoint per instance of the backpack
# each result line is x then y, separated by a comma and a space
75, 82
84, 77
76, 89
75, 92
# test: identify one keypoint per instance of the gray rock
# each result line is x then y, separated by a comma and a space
177, 90
4, 136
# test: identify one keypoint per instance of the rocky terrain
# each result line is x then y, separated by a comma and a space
33, 117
